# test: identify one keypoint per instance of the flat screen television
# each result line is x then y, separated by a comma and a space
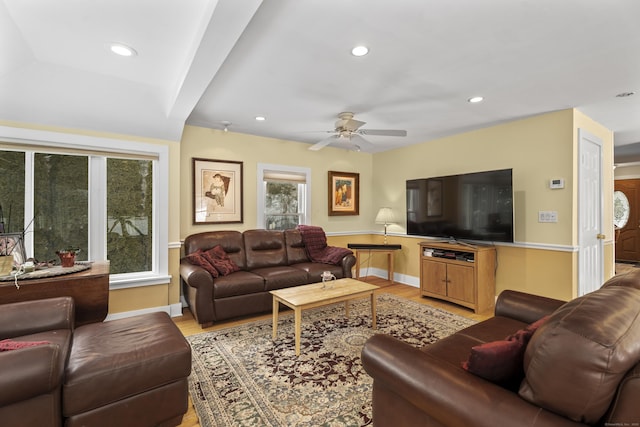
472, 206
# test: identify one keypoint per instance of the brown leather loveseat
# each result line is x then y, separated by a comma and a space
267, 260
126, 372
580, 367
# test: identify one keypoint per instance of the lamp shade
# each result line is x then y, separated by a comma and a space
385, 216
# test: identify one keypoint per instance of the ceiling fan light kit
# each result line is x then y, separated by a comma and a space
347, 129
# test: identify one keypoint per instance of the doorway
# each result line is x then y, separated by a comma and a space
627, 239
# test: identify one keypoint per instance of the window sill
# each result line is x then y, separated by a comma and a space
137, 280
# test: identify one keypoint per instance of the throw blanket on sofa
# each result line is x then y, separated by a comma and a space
315, 243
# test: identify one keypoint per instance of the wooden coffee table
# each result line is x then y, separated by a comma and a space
309, 296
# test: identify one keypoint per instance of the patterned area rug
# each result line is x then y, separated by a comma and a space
241, 377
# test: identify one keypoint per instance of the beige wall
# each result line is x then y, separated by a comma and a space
542, 261
539, 148
251, 150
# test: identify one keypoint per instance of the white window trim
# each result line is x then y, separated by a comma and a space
160, 193
262, 167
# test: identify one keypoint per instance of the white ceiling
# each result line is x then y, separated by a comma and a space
206, 62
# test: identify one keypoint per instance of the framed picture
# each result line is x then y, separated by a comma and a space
434, 197
217, 191
11, 244
344, 193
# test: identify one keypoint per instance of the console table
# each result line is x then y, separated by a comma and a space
89, 289
371, 249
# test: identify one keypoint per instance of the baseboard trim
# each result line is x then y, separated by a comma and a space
397, 277
173, 310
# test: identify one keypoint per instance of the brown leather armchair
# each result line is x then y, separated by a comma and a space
581, 367
31, 380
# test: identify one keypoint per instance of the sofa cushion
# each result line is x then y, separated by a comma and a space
265, 248
576, 360
238, 283
501, 361
281, 277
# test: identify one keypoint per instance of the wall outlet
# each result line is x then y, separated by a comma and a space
547, 216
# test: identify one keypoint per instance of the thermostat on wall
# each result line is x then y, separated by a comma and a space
556, 183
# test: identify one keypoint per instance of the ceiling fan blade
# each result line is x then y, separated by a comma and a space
321, 144
383, 132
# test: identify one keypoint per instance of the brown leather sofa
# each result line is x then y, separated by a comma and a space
268, 260
581, 367
125, 372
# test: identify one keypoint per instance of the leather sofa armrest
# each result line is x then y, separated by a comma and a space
195, 276
525, 307
347, 264
447, 393
30, 317
29, 372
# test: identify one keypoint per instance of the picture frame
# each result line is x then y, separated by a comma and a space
12, 244
344, 193
434, 197
217, 191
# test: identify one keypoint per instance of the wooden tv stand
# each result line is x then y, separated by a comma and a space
462, 274
89, 289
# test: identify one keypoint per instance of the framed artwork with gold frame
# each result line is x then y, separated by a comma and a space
344, 193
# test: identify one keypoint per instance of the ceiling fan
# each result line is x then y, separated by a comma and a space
348, 130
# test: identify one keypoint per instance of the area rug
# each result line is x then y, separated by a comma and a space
242, 377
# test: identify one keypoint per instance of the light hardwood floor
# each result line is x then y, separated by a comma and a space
189, 326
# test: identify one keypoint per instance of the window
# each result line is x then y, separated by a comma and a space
283, 196
100, 195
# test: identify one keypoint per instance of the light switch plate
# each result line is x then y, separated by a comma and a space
547, 216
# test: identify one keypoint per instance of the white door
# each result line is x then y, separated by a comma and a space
590, 258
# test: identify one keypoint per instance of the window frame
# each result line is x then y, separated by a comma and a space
31, 140
261, 190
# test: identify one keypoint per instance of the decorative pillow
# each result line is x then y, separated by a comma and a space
7, 345
219, 259
501, 361
198, 258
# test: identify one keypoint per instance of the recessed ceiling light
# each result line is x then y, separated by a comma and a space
359, 51
475, 99
122, 49
261, 118
625, 94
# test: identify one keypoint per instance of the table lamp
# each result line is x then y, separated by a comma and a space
385, 216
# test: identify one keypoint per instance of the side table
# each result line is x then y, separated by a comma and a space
370, 249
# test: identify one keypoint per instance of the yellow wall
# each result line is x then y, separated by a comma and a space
251, 150
538, 149
542, 261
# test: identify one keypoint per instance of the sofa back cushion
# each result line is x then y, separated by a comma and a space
231, 241
296, 252
265, 248
576, 360
630, 279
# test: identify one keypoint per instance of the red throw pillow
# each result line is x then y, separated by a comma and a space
502, 361
219, 258
7, 345
198, 258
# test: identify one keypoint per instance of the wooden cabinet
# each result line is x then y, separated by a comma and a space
461, 274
